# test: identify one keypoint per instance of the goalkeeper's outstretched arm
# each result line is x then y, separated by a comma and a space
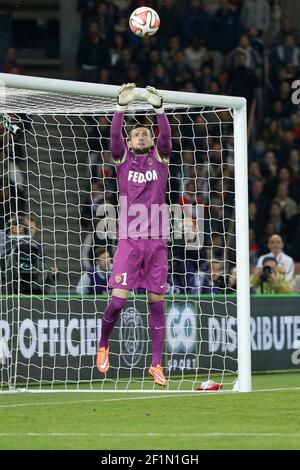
164, 143
126, 95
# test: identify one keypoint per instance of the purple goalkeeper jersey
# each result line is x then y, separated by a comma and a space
142, 182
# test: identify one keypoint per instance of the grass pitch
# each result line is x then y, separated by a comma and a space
268, 418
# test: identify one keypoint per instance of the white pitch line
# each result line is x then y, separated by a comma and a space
164, 395
75, 402
276, 389
151, 434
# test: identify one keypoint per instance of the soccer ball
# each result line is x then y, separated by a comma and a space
144, 21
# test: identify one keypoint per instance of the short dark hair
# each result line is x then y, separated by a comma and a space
99, 251
138, 125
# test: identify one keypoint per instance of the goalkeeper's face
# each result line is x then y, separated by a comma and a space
140, 141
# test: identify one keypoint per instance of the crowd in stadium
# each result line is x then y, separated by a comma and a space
222, 47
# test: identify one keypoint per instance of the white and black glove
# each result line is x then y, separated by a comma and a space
155, 99
125, 96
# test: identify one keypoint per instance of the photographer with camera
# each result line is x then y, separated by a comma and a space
270, 279
276, 245
22, 266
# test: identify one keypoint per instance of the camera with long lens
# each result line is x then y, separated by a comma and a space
266, 273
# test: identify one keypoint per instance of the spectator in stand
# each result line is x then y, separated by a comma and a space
253, 225
279, 112
154, 58
11, 186
203, 83
294, 160
274, 134
255, 13
243, 80
256, 42
253, 247
215, 247
276, 245
287, 144
295, 125
261, 199
270, 279
253, 60
194, 20
92, 54
169, 52
87, 9
277, 217
16, 226
159, 78
170, 19
115, 51
189, 189
210, 282
95, 280
286, 177
124, 6
10, 60
134, 76
254, 172
95, 199
104, 76
258, 149
180, 71
145, 46
223, 80
104, 17
196, 54
284, 95
222, 34
231, 281
120, 69
269, 169
287, 204
287, 28
287, 54
103, 169
180, 277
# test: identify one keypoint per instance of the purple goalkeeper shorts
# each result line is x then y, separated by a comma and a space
140, 263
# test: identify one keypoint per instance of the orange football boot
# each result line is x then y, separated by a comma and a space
103, 360
158, 375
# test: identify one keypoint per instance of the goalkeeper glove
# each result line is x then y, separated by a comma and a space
155, 99
126, 95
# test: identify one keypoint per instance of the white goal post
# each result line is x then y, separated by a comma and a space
16, 89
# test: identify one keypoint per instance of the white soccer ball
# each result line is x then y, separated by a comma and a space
144, 21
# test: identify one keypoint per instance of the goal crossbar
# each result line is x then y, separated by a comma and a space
110, 91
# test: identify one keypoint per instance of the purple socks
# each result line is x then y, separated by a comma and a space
157, 331
156, 323
110, 318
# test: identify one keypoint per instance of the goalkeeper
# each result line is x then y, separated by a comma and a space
141, 258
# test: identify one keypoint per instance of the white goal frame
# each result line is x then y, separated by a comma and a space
239, 106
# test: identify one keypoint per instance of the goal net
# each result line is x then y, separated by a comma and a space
59, 203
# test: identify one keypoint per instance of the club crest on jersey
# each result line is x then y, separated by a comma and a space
149, 161
138, 177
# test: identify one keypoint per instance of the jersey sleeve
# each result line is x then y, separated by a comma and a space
117, 142
164, 143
